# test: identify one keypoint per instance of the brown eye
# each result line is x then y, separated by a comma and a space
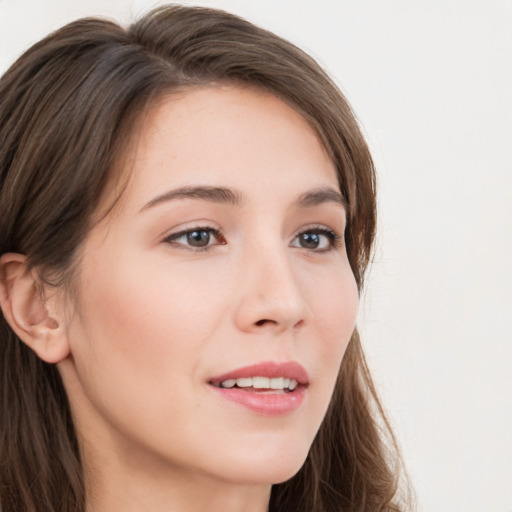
196, 238
309, 240
318, 239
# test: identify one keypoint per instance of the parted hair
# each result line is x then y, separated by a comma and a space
68, 107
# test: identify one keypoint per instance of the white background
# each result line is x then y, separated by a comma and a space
431, 82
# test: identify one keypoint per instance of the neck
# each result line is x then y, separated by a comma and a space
136, 487
189, 496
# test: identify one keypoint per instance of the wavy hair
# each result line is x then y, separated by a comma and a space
67, 109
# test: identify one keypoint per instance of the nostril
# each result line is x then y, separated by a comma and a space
264, 321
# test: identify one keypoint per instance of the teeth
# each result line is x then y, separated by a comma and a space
261, 383
277, 383
244, 382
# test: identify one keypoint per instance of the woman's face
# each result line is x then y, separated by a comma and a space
223, 261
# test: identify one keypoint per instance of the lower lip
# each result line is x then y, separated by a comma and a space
268, 404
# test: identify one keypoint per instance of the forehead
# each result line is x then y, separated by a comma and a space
222, 135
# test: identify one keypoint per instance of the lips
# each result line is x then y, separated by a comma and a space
270, 370
267, 388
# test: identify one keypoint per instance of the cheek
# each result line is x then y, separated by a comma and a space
335, 307
139, 343
334, 301
146, 330
149, 316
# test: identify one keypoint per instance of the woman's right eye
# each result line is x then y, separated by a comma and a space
197, 238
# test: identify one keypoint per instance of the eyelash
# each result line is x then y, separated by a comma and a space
171, 239
334, 239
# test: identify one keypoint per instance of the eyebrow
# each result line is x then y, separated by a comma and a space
321, 196
225, 195
212, 194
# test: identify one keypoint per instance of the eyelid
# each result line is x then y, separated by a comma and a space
172, 238
335, 239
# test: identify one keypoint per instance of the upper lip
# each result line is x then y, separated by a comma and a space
270, 369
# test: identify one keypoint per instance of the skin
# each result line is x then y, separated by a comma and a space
154, 319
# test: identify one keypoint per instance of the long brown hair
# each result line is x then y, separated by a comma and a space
67, 108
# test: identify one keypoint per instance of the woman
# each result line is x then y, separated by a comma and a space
187, 212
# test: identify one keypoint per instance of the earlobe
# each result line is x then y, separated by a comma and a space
25, 306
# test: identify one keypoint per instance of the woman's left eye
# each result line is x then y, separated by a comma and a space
317, 239
197, 238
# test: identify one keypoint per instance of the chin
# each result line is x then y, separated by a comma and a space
265, 475
265, 466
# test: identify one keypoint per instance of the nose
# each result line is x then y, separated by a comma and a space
270, 296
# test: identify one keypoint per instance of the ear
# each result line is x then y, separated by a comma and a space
30, 308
